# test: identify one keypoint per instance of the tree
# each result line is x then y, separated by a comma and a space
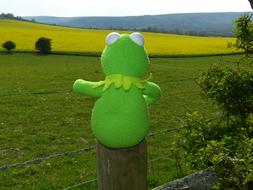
7, 16
43, 45
251, 3
244, 33
9, 46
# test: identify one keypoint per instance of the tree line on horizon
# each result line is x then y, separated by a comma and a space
178, 31
10, 16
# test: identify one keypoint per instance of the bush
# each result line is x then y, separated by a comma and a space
232, 89
9, 46
43, 45
224, 140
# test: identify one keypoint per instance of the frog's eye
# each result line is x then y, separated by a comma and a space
137, 38
112, 37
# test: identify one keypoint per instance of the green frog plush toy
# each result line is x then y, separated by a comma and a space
120, 117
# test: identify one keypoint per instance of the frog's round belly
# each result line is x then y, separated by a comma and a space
120, 118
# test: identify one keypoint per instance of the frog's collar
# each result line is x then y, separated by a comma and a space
122, 81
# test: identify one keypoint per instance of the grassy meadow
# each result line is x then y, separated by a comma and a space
40, 116
87, 41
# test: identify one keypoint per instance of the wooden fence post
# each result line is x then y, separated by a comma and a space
122, 169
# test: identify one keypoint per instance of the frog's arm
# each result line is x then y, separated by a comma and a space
87, 88
151, 93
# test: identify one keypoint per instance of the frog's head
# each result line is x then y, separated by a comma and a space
125, 54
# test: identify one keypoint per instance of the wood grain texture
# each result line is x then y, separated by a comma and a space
122, 169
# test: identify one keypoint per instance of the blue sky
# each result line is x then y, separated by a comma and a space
118, 7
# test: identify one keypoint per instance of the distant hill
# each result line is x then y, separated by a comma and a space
203, 24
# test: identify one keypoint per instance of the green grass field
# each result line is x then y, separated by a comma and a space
85, 41
41, 116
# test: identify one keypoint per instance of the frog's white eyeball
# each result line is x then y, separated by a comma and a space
137, 38
112, 37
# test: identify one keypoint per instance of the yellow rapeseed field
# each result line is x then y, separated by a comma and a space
24, 34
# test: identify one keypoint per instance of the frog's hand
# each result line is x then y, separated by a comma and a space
87, 88
151, 93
